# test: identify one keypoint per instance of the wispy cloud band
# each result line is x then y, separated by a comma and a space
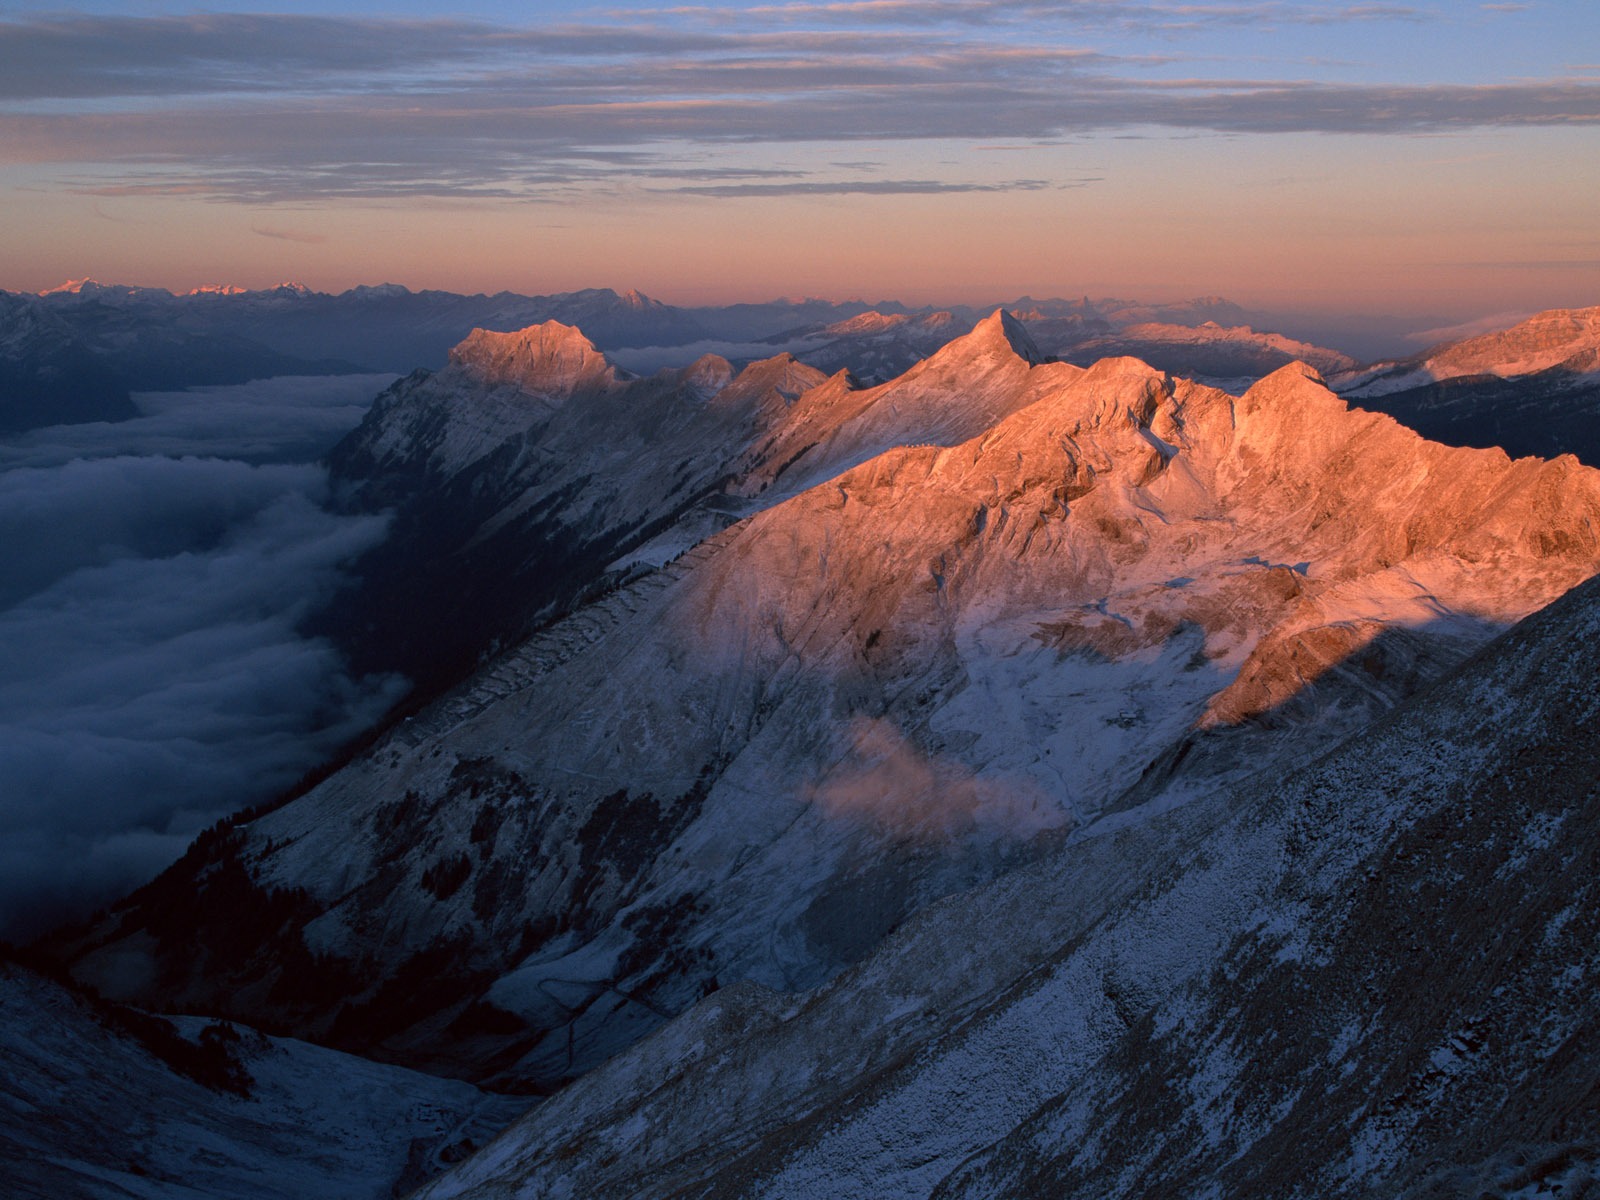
272, 108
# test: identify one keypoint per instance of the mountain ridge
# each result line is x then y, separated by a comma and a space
1114, 546
1009, 778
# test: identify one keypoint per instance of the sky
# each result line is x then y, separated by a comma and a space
1427, 158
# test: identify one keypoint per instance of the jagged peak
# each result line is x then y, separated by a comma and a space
1293, 406
1290, 376
1298, 391
782, 375
781, 363
1292, 381
841, 381
999, 332
1001, 324
709, 362
551, 331
1115, 392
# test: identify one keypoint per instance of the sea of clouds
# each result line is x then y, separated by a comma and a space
153, 676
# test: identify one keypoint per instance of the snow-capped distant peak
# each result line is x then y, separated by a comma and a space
217, 289
113, 292
72, 287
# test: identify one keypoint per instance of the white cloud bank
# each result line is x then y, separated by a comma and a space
152, 676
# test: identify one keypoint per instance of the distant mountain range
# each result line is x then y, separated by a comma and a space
76, 353
123, 339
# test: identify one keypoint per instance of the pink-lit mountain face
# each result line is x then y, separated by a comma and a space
857, 650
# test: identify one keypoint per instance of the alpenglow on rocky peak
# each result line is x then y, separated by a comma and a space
551, 360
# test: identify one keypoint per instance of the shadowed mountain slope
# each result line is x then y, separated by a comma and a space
104, 1103
1374, 977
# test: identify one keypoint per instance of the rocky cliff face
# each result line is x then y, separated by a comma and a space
520, 474
550, 361
991, 608
531, 473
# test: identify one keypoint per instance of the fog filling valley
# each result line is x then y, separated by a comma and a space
152, 675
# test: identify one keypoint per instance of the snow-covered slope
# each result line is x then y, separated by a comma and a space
98, 1103
1375, 977
1111, 592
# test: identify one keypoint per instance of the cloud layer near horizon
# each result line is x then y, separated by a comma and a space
264, 109
152, 675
